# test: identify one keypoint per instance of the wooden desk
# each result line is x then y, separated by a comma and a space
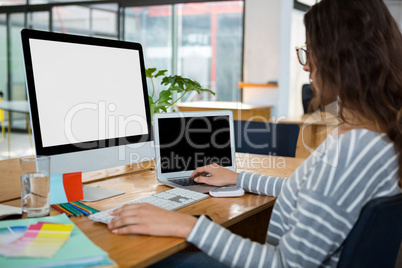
248, 215
241, 111
314, 129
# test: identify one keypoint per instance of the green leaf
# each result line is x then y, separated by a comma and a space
163, 108
151, 101
168, 80
207, 90
152, 107
160, 73
149, 72
164, 97
174, 83
180, 84
176, 88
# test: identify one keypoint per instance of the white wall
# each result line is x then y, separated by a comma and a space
297, 76
272, 30
285, 62
266, 45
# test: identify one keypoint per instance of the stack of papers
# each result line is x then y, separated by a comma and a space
47, 242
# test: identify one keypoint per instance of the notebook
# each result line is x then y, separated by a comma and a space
185, 141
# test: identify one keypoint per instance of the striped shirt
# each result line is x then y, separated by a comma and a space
315, 208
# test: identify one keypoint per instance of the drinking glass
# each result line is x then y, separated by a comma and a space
35, 186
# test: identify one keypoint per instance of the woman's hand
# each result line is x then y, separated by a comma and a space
219, 176
147, 219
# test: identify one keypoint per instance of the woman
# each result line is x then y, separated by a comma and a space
354, 56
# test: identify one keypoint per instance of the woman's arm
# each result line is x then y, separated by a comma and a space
251, 182
151, 220
260, 184
317, 233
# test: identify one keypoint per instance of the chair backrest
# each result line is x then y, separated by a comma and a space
266, 138
376, 237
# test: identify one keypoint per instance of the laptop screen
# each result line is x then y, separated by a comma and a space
190, 142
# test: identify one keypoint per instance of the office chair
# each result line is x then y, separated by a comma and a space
307, 96
266, 138
376, 237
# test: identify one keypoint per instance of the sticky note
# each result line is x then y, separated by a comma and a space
73, 186
57, 193
66, 188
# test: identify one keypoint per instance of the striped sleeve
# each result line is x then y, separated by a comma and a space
316, 207
260, 184
319, 230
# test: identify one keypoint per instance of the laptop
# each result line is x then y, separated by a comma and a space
185, 141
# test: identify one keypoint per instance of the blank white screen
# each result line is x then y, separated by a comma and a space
87, 93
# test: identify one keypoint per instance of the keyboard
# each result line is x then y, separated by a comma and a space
184, 181
172, 199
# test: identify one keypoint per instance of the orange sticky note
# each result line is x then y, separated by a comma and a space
73, 186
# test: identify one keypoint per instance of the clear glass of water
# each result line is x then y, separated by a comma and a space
35, 186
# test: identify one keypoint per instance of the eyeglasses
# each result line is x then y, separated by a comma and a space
302, 54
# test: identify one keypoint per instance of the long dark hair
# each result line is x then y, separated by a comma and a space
356, 48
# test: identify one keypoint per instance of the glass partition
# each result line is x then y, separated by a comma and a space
17, 73
3, 56
71, 19
17, 23
104, 21
13, 2
38, 20
201, 41
152, 28
210, 49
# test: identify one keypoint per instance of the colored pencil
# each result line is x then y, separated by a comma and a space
72, 210
83, 211
75, 209
62, 210
60, 207
69, 212
87, 207
81, 207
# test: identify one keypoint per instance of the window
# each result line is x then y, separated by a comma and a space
3, 56
210, 47
201, 41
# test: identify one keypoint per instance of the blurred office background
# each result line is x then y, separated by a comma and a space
217, 43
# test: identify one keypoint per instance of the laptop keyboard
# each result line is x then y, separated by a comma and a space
184, 181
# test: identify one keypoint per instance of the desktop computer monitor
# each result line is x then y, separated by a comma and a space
88, 101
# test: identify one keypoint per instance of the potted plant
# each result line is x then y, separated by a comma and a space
176, 83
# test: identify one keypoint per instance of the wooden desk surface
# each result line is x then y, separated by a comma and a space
140, 251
